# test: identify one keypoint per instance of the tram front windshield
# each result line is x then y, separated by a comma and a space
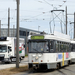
38, 46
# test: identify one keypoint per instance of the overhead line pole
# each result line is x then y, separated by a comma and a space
8, 20
66, 20
17, 42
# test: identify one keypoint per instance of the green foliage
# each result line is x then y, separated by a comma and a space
26, 55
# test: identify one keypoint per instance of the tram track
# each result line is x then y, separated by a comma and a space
66, 70
70, 70
61, 71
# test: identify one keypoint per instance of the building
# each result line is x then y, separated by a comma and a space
22, 31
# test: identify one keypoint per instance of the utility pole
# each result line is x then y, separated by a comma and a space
17, 42
74, 25
0, 28
8, 20
13, 30
66, 20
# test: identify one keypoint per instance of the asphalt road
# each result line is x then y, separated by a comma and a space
67, 70
13, 64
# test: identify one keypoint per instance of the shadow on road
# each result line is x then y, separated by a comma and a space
41, 71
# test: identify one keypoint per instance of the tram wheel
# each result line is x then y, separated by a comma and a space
68, 63
58, 66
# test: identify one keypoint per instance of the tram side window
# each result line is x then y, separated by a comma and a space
70, 46
64, 47
73, 47
57, 46
51, 46
61, 46
67, 47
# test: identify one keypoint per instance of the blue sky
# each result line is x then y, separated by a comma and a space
34, 13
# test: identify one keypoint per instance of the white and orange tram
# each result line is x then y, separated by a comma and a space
49, 51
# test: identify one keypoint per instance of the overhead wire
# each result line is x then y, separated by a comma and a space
52, 4
37, 15
56, 15
48, 3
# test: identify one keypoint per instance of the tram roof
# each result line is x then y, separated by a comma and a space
53, 37
73, 41
56, 36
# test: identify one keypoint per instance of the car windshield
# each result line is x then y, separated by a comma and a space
38, 46
3, 48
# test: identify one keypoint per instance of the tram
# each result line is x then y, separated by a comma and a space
48, 51
72, 51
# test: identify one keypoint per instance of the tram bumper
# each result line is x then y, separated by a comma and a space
37, 65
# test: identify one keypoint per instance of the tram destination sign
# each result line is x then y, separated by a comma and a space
37, 37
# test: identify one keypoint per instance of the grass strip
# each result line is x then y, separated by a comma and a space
26, 55
11, 71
